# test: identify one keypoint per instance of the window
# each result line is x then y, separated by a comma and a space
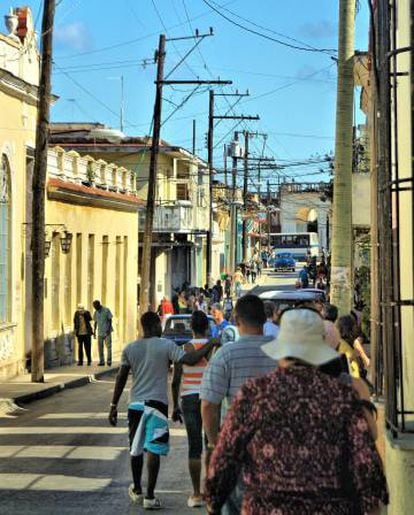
5, 212
182, 191
91, 269
105, 244
55, 301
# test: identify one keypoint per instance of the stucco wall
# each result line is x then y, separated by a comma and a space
86, 279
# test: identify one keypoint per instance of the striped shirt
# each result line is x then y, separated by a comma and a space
192, 375
232, 365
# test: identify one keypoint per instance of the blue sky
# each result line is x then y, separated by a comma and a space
292, 91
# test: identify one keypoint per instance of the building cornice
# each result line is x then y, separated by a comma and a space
79, 194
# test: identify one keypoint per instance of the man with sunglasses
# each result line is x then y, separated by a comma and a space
230, 367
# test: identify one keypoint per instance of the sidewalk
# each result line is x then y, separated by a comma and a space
20, 389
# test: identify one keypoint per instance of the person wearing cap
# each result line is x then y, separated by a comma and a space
83, 331
298, 436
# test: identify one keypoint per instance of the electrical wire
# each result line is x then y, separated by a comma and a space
265, 36
275, 32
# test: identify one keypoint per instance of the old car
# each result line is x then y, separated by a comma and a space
178, 328
284, 261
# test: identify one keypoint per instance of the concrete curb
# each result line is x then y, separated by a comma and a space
56, 388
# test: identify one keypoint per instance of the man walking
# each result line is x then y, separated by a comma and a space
218, 315
103, 322
230, 367
149, 359
83, 332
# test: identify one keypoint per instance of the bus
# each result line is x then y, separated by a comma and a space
299, 244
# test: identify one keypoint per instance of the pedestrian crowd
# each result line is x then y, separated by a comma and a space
277, 402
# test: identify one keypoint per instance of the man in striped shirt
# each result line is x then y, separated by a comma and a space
230, 367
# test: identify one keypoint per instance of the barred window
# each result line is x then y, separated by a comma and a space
5, 212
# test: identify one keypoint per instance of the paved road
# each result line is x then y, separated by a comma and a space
61, 457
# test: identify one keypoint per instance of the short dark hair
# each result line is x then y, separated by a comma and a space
331, 312
96, 304
250, 309
199, 322
151, 324
269, 308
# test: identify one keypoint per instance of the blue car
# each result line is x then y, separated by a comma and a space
284, 262
178, 328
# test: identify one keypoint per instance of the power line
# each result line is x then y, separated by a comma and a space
275, 32
265, 36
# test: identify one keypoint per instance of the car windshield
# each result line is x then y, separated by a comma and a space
284, 256
178, 325
181, 326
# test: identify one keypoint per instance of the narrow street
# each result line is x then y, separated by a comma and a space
62, 452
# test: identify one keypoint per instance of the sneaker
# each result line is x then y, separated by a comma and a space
109, 364
195, 501
101, 364
152, 504
134, 496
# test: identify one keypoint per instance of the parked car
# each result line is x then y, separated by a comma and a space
290, 298
178, 328
284, 261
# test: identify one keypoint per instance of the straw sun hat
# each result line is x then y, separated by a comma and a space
301, 336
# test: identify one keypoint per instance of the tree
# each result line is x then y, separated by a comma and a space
341, 271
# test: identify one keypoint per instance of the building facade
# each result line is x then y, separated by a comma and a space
92, 207
182, 204
305, 208
19, 79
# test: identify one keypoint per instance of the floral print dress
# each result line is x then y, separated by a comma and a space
302, 445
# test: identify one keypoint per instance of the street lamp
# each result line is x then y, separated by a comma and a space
66, 241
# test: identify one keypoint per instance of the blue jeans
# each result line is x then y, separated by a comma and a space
191, 407
108, 342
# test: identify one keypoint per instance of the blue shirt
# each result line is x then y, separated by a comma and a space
218, 329
270, 329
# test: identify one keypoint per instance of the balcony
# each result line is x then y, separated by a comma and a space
172, 218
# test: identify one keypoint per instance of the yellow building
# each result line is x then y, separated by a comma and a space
91, 207
91, 222
181, 199
19, 78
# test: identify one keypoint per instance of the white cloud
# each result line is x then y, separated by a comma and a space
318, 30
73, 35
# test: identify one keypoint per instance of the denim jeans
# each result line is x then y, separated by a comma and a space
108, 342
191, 407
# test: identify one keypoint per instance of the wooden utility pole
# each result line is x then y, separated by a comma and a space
194, 137
233, 212
245, 177
210, 139
38, 186
146, 286
341, 271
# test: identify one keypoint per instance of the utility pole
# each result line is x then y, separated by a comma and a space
245, 177
341, 271
149, 215
269, 215
209, 261
194, 136
38, 186
147, 292
121, 114
233, 212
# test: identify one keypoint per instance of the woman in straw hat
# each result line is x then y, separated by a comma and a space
298, 436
